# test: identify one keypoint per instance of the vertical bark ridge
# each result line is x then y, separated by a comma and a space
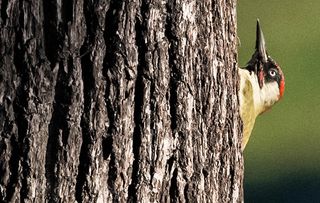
156, 143
18, 105
139, 101
112, 41
120, 69
180, 99
64, 140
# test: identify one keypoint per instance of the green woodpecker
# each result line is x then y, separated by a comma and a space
261, 86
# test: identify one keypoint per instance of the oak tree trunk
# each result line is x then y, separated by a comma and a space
119, 101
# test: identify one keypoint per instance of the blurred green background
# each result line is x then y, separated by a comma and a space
282, 158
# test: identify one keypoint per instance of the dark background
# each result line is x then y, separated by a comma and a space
282, 158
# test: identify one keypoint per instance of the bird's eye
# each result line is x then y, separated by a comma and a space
272, 72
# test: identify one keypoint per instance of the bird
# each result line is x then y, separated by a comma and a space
262, 84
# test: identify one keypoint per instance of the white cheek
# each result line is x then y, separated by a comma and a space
270, 93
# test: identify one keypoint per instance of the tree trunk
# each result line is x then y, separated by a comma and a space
115, 101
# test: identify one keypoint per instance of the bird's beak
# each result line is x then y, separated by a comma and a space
260, 43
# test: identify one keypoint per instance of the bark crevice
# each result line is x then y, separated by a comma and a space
13, 167
173, 83
58, 129
20, 157
138, 106
67, 12
4, 14
50, 30
153, 128
88, 91
173, 190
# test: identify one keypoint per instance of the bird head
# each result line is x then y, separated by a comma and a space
267, 74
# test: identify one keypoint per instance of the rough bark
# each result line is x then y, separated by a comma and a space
119, 100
